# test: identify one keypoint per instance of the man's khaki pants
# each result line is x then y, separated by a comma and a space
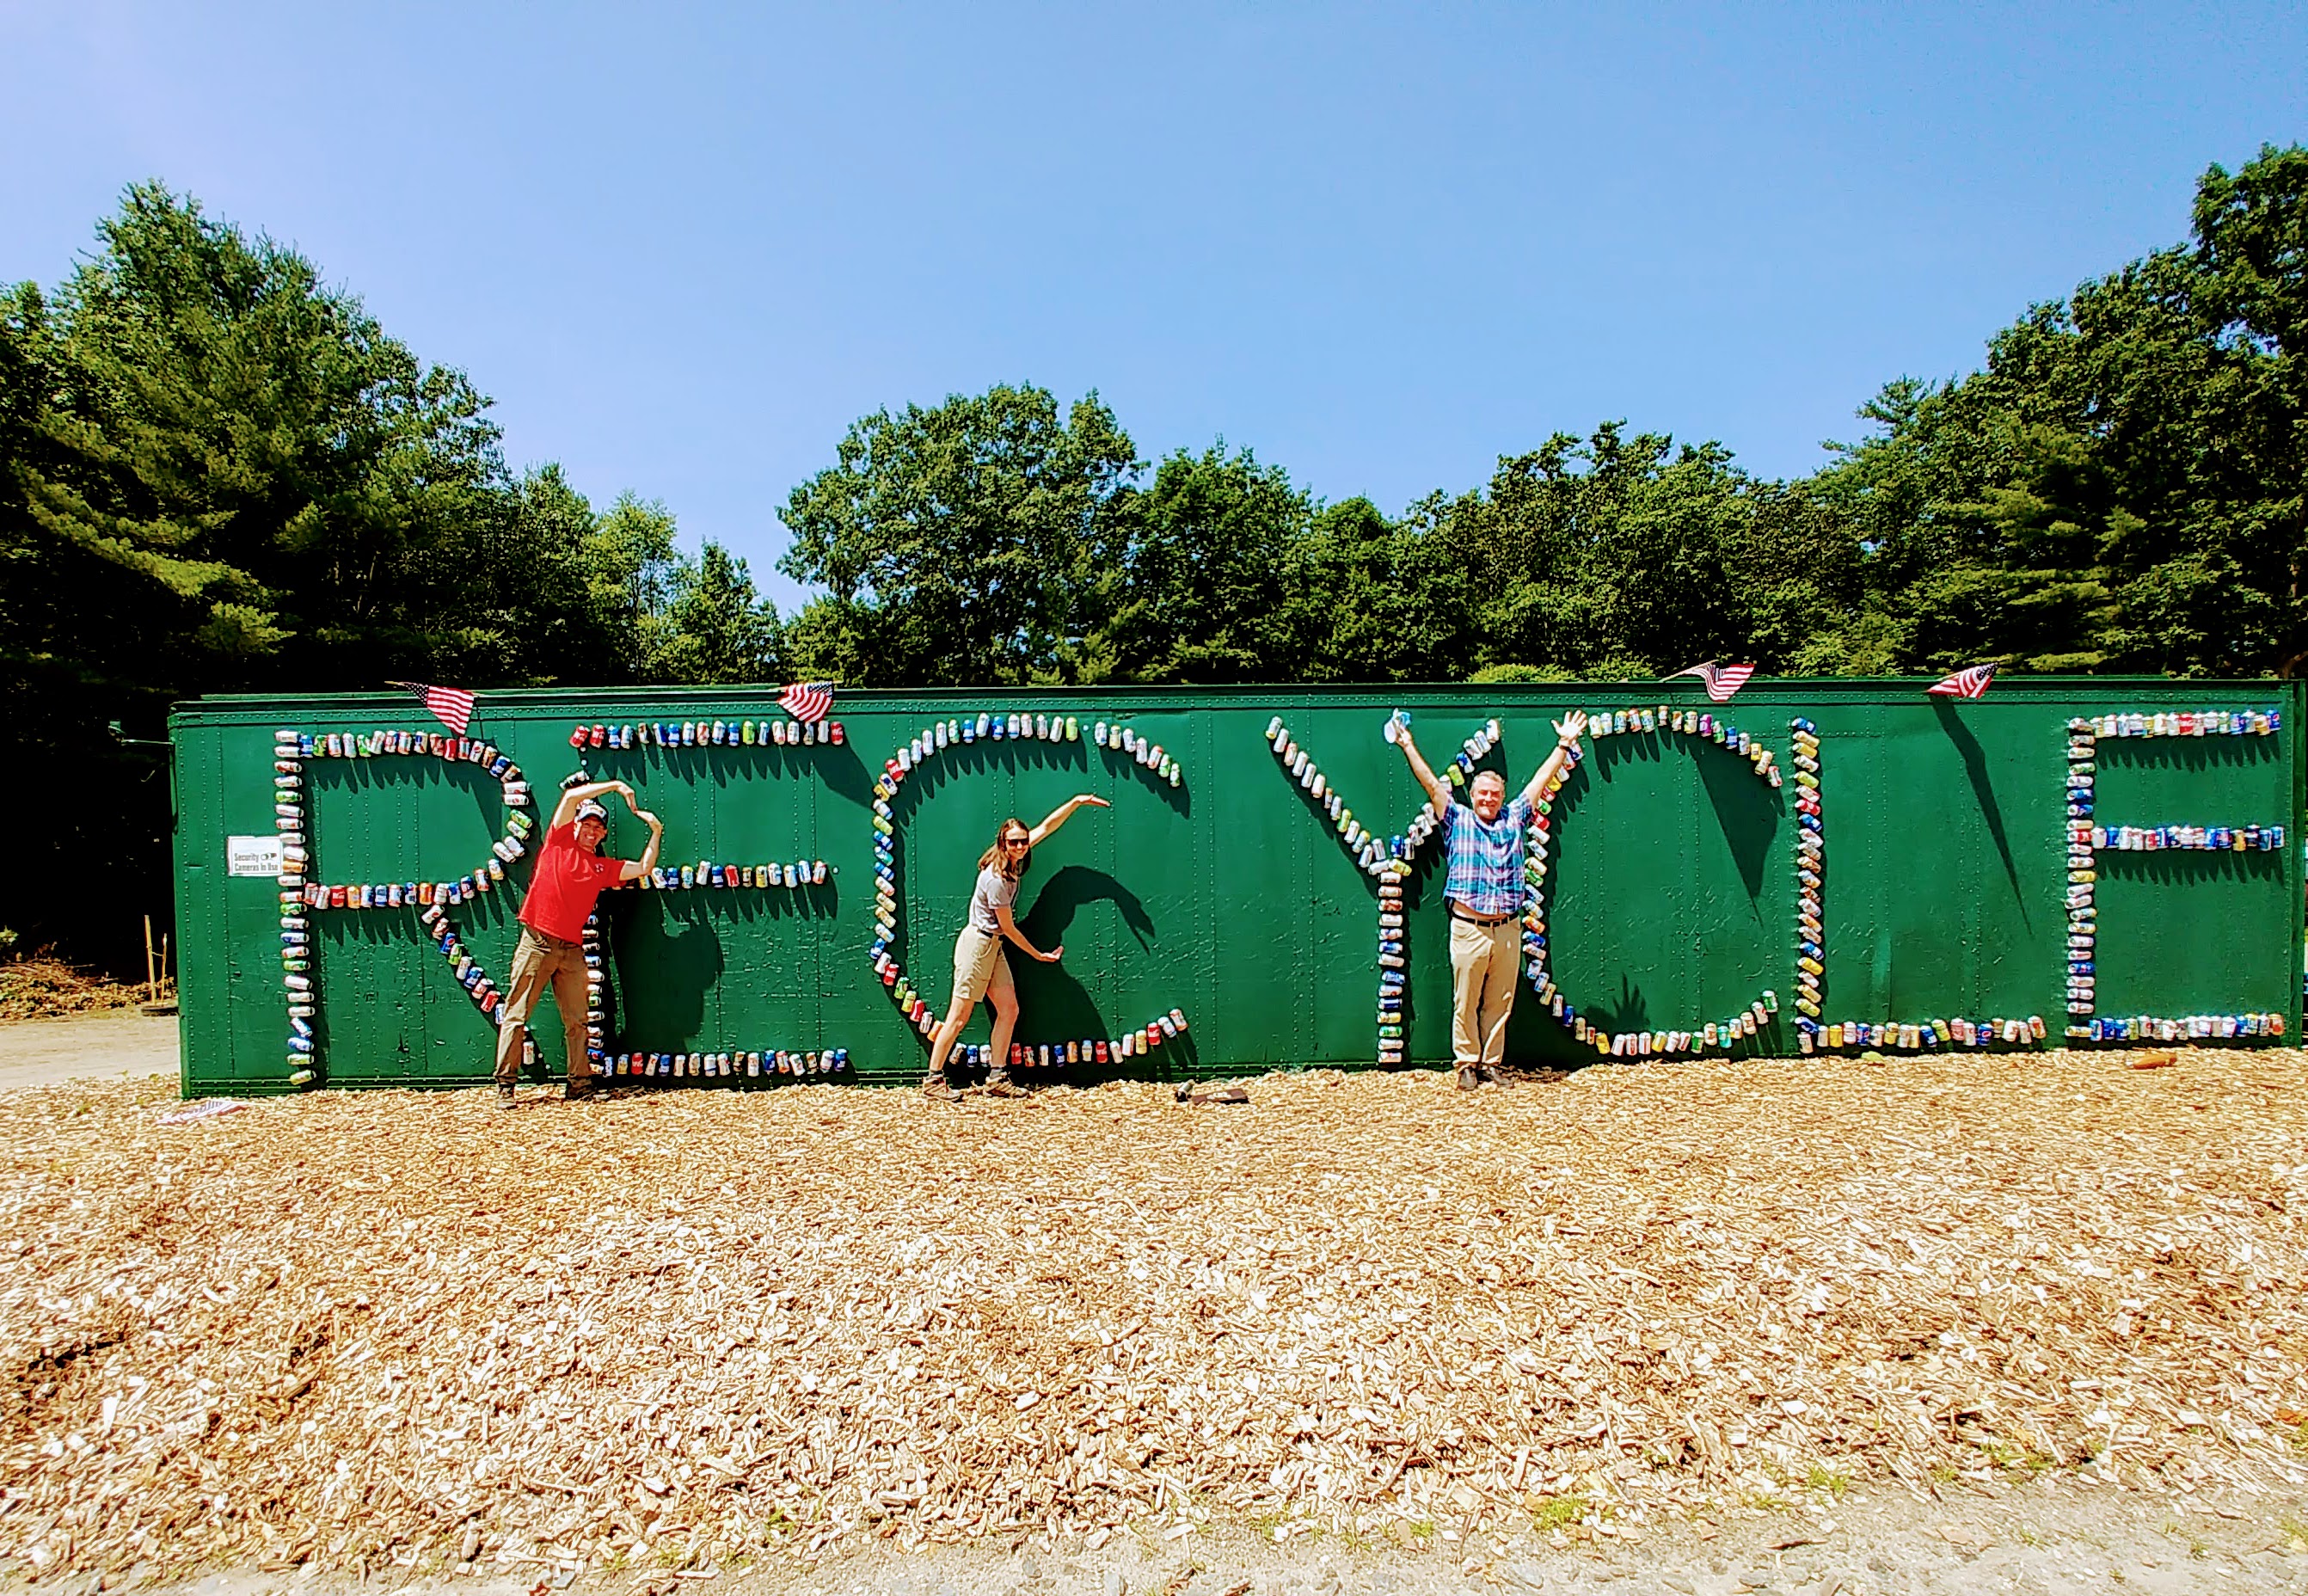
1483, 961
538, 962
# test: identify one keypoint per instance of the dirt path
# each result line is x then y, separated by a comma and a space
2048, 1538
101, 1045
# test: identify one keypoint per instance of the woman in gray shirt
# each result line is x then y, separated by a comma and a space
980, 968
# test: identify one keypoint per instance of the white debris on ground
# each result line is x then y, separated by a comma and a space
675, 1330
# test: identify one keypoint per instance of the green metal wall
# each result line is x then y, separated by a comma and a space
1230, 896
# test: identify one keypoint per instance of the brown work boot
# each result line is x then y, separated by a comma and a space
998, 1083
579, 1088
934, 1087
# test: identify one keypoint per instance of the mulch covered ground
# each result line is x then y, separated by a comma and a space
678, 1328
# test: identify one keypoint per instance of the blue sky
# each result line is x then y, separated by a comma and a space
683, 248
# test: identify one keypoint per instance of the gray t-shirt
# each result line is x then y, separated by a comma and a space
995, 890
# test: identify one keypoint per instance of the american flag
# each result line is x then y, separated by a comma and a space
1969, 683
1721, 681
808, 701
451, 706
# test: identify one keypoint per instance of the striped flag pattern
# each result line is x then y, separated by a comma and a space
451, 706
808, 701
1967, 683
1721, 681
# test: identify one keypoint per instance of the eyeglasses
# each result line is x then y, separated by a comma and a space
1017, 842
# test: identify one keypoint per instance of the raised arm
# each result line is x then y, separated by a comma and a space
565, 812
1051, 822
635, 869
1436, 787
1567, 731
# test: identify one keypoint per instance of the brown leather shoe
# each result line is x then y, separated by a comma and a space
1467, 1079
578, 1090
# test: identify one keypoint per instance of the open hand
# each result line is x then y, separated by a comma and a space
1093, 800
1573, 725
1052, 956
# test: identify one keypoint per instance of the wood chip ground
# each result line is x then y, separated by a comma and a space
670, 1330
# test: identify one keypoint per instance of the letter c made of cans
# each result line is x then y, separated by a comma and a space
900, 783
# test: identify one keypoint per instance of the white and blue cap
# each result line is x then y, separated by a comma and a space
592, 809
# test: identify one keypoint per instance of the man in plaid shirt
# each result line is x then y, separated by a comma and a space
1482, 891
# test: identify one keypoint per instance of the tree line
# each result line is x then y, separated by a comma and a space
218, 473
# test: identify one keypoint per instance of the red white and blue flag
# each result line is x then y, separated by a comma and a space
808, 701
1721, 681
1967, 683
451, 706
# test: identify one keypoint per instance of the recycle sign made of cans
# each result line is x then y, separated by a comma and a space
1389, 859
1118, 742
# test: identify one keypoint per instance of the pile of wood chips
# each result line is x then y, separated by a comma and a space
669, 1330
41, 988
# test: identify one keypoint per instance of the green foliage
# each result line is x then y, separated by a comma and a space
2119, 487
1557, 1513
714, 629
1193, 588
218, 473
1521, 675
959, 543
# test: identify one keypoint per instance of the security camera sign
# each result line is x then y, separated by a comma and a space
252, 856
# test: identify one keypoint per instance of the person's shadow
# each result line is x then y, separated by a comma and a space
681, 951
1057, 1003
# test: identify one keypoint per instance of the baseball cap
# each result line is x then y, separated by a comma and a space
592, 809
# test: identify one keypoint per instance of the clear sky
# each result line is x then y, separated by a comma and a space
684, 248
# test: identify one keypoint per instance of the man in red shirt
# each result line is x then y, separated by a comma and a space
570, 873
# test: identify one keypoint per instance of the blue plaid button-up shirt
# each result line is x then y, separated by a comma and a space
1486, 873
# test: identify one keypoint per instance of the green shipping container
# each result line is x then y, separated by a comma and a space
1672, 884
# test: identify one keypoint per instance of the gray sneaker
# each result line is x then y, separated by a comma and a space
998, 1083
935, 1089
504, 1097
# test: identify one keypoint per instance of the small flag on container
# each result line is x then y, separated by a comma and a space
808, 701
1720, 681
451, 706
1967, 683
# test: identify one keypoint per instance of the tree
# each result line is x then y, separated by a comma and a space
275, 489
216, 473
2119, 487
1194, 592
716, 627
959, 542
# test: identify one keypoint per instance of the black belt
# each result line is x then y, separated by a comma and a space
1481, 919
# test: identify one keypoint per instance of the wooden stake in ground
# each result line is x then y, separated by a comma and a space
152, 988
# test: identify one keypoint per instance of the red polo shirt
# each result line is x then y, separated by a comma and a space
566, 882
